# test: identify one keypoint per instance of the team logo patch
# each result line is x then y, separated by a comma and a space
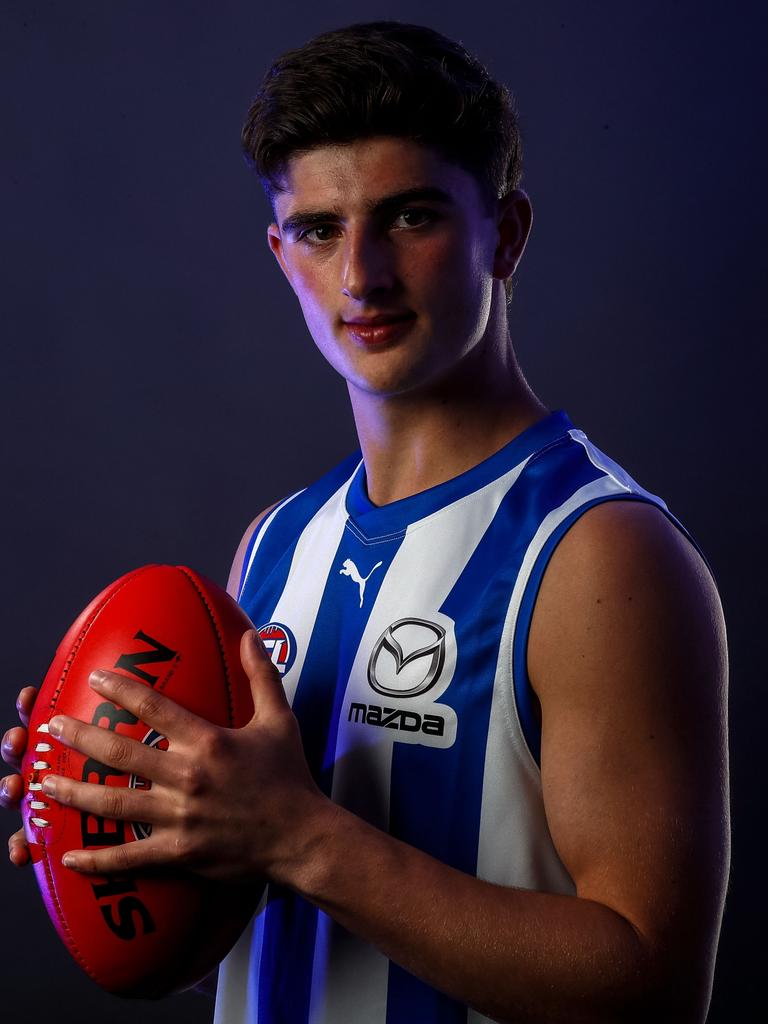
407, 659
281, 645
143, 829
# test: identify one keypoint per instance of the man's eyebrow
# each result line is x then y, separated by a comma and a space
431, 193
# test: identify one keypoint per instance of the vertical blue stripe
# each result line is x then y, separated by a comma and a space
290, 924
436, 794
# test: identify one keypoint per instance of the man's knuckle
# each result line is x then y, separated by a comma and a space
117, 753
114, 802
191, 779
185, 813
213, 744
120, 857
149, 706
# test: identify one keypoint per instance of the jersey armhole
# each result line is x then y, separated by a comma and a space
523, 691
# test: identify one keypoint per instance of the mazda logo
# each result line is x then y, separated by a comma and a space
407, 659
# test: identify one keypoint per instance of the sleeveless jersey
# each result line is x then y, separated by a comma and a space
401, 632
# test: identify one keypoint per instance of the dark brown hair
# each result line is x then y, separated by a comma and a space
385, 78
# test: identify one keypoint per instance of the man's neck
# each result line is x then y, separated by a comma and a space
415, 441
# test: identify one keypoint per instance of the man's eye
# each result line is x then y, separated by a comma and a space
419, 212
310, 231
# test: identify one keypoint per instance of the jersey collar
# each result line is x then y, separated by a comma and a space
378, 521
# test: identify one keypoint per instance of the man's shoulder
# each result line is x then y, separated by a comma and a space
625, 570
625, 539
628, 534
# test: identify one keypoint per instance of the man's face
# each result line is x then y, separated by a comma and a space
371, 252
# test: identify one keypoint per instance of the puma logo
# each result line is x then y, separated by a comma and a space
350, 569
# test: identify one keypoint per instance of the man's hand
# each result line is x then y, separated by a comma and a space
12, 786
226, 803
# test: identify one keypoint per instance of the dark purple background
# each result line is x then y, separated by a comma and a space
160, 387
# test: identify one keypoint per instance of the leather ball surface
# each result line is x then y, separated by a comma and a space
139, 934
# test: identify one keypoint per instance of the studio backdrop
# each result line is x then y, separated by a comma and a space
160, 386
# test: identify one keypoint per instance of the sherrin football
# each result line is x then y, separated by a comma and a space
136, 934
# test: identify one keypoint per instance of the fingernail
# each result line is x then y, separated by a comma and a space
55, 726
49, 785
69, 861
97, 677
4, 787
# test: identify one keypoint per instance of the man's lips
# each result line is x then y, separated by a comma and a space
380, 318
379, 329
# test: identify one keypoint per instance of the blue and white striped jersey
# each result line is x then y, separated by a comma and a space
401, 634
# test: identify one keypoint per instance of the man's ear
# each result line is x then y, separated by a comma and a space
275, 243
514, 218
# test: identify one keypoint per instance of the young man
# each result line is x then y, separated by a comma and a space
488, 764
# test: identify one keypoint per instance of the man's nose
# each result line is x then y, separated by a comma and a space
368, 264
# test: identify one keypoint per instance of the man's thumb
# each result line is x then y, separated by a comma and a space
266, 684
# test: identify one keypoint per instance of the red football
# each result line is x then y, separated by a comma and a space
143, 934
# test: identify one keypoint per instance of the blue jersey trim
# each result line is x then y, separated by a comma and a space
375, 521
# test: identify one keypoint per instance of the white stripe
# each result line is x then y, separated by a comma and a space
263, 527
515, 847
356, 974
